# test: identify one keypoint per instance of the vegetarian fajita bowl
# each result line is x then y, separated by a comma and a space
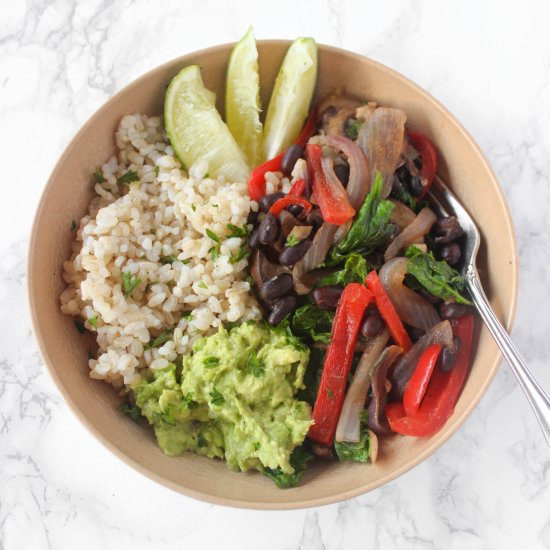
274, 291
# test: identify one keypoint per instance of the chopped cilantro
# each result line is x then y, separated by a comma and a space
133, 411
128, 177
202, 284
244, 252
157, 170
93, 321
73, 225
213, 235
352, 130
193, 207
236, 231
201, 442
211, 362
99, 177
216, 398
129, 282
168, 259
330, 394
188, 401
162, 338
292, 240
254, 366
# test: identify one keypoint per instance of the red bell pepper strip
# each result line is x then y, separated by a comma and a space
443, 390
333, 201
332, 388
428, 154
386, 309
298, 188
280, 204
309, 128
256, 181
418, 383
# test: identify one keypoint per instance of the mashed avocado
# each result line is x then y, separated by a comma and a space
232, 398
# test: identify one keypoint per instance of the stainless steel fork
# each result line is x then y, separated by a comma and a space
444, 201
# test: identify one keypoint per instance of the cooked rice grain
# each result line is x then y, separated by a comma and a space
138, 228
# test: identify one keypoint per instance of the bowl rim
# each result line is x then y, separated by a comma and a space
236, 502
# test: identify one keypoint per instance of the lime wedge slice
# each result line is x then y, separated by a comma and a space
196, 129
242, 98
291, 96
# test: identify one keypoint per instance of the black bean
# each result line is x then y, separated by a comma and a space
327, 297
282, 308
254, 240
450, 253
267, 201
447, 230
269, 229
277, 286
450, 310
416, 186
252, 218
291, 155
322, 451
296, 210
448, 355
315, 218
342, 172
291, 254
372, 323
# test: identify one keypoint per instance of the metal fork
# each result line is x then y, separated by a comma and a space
442, 199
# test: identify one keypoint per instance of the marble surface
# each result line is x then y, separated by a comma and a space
488, 62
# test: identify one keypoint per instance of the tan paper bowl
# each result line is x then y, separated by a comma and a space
65, 352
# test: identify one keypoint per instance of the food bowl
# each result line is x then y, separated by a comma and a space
65, 351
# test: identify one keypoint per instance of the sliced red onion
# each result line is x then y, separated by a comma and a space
314, 257
419, 227
349, 424
442, 333
377, 420
410, 306
402, 215
381, 138
359, 182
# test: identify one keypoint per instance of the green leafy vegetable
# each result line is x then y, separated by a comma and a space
355, 271
437, 277
352, 130
216, 398
99, 177
162, 338
211, 362
254, 366
355, 452
370, 228
309, 320
133, 411
298, 460
128, 177
129, 282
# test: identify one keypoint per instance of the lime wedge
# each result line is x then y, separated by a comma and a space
196, 129
242, 98
291, 96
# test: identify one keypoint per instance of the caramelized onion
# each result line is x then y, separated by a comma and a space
381, 138
442, 333
419, 227
314, 257
377, 420
349, 424
412, 308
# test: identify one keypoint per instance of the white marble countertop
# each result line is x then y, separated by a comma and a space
488, 62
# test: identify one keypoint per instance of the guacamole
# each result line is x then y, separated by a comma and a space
232, 398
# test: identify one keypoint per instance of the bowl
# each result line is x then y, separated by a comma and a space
65, 351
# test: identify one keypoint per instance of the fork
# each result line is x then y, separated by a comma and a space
441, 199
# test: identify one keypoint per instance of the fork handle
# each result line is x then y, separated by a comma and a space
539, 401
